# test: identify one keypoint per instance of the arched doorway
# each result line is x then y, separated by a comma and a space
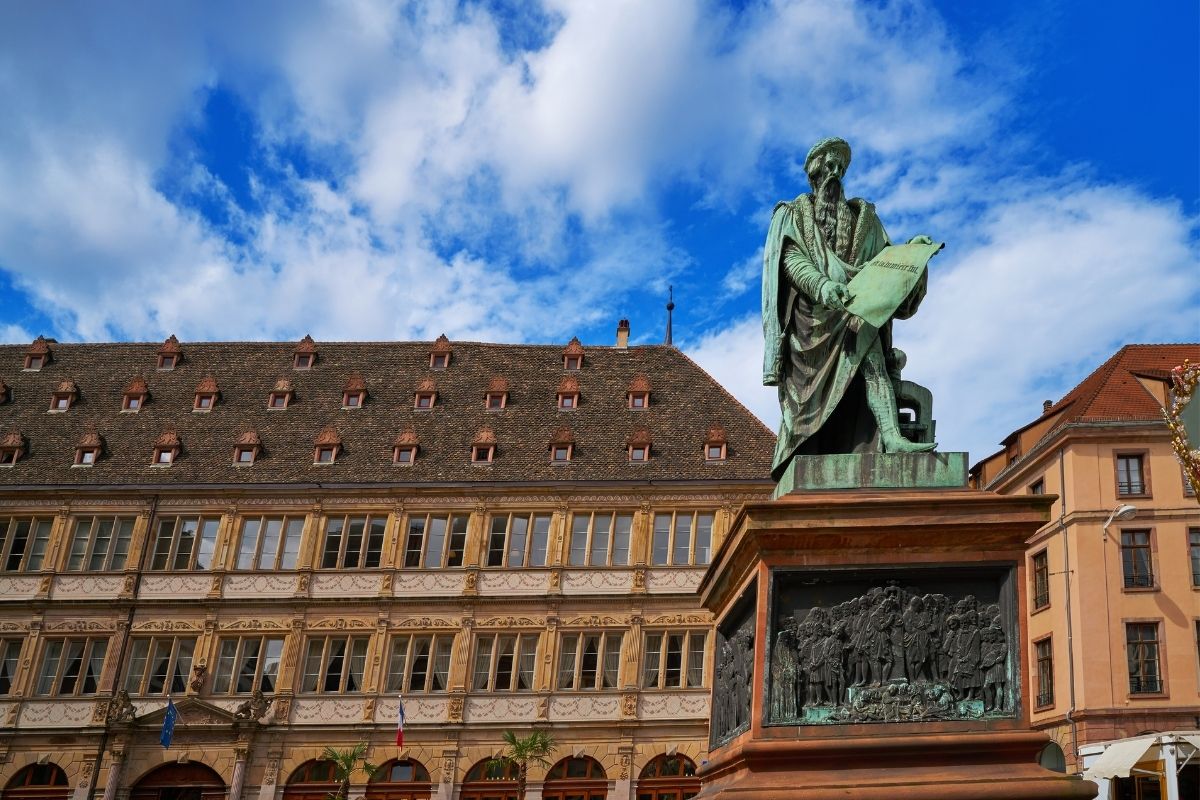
668, 778
400, 779
312, 780
190, 781
490, 781
38, 782
576, 778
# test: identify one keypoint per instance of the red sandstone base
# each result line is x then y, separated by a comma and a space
983, 759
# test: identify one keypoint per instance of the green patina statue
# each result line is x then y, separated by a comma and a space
832, 284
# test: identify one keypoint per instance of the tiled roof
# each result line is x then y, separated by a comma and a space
687, 403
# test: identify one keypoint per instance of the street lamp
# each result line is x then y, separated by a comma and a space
1121, 513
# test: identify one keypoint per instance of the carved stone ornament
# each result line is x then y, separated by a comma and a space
454, 711
121, 708
254, 708
629, 705
283, 708
198, 673
271, 774
844, 651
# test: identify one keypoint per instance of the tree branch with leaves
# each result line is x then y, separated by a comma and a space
345, 764
536, 748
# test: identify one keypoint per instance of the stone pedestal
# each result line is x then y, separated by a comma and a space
839, 673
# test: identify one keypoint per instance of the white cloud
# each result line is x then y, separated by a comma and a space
744, 275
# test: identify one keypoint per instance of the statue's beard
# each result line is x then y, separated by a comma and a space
832, 214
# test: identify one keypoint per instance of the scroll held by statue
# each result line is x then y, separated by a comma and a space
884, 282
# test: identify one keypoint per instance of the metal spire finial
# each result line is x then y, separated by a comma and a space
670, 308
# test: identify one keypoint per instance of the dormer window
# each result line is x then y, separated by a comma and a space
638, 395
4, 398
573, 355
327, 446
562, 446
63, 397
207, 393
568, 393
483, 448
87, 452
354, 395
246, 451
169, 354
439, 356
638, 446
281, 395
134, 396
496, 396
12, 447
404, 449
38, 354
425, 397
715, 444
305, 355
166, 449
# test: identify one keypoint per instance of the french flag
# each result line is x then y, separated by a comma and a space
400, 722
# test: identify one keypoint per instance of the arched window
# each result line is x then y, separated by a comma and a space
1052, 757
312, 780
668, 778
174, 781
576, 778
488, 780
38, 782
400, 779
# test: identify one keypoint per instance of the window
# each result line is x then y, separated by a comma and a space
639, 400
1194, 551
1135, 559
1130, 475
504, 662
518, 540
159, 665
204, 402
673, 660
1041, 580
335, 664
483, 453
325, 455
572, 362
132, 402
184, 543
1043, 654
353, 542
71, 667
639, 452
439, 360
10, 655
419, 663
99, 544
404, 454
561, 453
714, 452
166, 449
303, 361
270, 543
589, 660
9, 456
568, 400
1038, 486
247, 663
1188, 489
278, 400
243, 455
668, 777
87, 456
682, 538
164, 456
353, 399
1141, 640
34, 363
600, 539
23, 542
496, 396
61, 401
427, 544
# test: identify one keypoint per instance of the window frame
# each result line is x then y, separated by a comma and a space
170, 452
36, 533
369, 518
52, 685
637, 401
10, 663
1159, 658
114, 550
320, 450
568, 401
693, 532
660, 655
1039, 572
167, 362
721, 455
287, 524
61, 402
439, 359
639, 453
200, 406
1143, 460
605, 638
529, 547
237, 661
1037, 487
286, 397
82, 456
1150, 580
204, 523
175, 655
449, 537
1194, 554
303, 362
565, 450
354, 652
483, 453
522, 661
589, 542
490, 397
1041, 697
424, 401
34, 363
354, 400
399, 678
245, 449
410, 449
572, 362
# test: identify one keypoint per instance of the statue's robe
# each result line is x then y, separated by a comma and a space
813, 353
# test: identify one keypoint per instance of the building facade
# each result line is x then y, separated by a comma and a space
1114, 614
286, 538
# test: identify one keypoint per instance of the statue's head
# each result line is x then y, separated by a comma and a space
827, 160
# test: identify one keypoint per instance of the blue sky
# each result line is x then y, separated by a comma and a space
522, 172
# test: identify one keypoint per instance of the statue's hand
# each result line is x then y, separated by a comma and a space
834, 295
920, 239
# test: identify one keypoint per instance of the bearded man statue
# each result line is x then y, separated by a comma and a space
834, 374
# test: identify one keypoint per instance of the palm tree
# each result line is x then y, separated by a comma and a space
534, 748
345, 764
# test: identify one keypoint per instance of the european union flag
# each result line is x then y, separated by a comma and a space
168, 728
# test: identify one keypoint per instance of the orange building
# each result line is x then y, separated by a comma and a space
1114, 617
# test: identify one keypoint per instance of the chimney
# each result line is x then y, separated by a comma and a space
1046, 405
623, 335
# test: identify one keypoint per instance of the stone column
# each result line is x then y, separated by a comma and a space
114, 775
239, 774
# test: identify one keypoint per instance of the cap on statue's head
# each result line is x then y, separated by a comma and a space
824, 146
